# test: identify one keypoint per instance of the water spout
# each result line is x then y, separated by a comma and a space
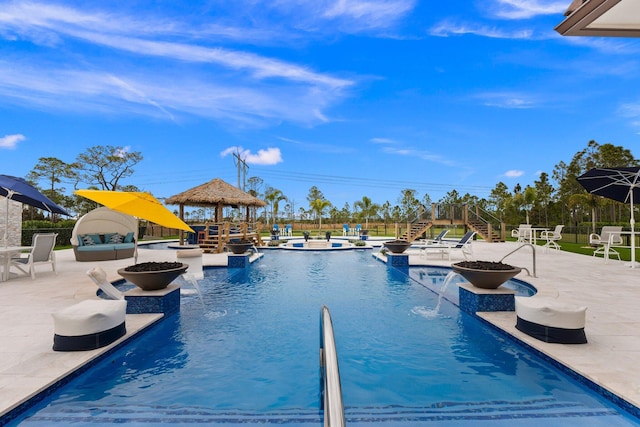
433, 313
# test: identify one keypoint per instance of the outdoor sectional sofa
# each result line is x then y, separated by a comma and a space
104, 234
102, 247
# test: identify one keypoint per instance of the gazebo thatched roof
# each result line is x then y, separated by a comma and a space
214, 193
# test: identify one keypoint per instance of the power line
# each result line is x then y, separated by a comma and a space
368, 182
200, 175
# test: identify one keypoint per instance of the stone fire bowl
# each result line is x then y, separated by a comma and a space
153, 280
397, 246
486, 279
239, 247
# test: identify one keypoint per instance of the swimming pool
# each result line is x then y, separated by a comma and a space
250, 356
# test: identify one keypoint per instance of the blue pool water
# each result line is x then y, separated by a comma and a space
250, 356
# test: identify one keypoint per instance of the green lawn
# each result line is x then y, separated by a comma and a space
585, 249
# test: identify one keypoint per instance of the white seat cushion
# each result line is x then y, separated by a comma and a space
89, 317
550, 312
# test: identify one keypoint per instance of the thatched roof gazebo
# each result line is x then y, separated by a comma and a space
214, 193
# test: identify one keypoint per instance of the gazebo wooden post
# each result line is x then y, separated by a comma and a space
182, 218
219, 212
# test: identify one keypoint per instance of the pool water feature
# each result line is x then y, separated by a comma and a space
250, 356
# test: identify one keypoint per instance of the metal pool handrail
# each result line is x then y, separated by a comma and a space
533, 248
330, 373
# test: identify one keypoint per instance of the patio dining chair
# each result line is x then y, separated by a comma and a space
552, 237
522, 234
41, 253
609, 236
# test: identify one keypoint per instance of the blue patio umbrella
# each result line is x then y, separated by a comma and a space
621, 184
18, 189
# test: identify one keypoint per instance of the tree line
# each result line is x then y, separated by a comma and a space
555, 198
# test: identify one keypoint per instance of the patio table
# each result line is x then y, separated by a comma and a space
5, 258
534, 233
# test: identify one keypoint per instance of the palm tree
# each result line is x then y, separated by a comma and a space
273, 197
319, 206
367, 209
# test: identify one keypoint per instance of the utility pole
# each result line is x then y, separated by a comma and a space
242, 171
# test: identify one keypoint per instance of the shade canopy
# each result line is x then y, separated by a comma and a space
18, 189
139, 204
213, 193
621, 184
21, 191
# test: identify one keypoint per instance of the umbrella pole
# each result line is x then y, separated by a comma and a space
6, 218
632, 221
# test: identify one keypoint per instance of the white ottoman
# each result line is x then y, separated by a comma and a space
89, 325
551, 320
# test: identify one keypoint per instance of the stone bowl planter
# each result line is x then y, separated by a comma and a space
239, 248
152, 276
485, 274
397, 246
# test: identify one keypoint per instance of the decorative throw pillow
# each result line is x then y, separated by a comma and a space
96, 239
116, 238
87, 240
128, 238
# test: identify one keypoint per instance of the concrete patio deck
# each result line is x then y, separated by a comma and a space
608, 290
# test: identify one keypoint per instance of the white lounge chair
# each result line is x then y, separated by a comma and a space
609, 236
41, 253
438, 239
99, 277
552, 237
463, 245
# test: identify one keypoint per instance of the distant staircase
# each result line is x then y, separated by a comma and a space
417, 229
474, 218
483, 230
485, 224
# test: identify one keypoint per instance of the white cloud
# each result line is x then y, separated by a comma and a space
632, 112
421, 154
509, 100
122, 151
164, 69
447, 28
11, 141
513, 173
525, 9
161, 95
369, 14
382, 141
269, 156
318, 147
120, 33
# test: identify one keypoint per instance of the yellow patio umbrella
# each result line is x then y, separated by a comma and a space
138, 204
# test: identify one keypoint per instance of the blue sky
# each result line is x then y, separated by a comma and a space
360, 98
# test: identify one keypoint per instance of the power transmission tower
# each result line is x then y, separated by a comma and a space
242, 171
